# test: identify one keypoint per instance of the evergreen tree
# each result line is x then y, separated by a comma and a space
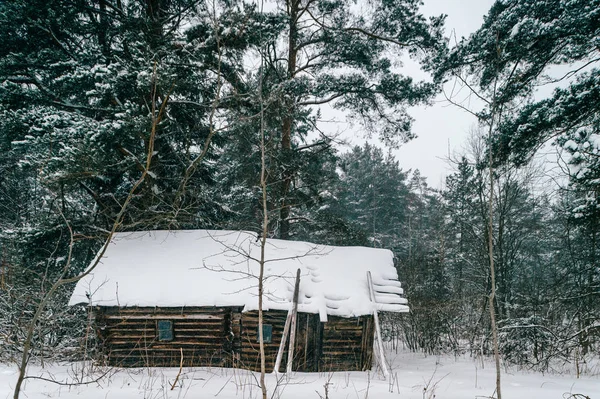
423, 265
334, 54
375, 194
518, 44
511, 55
82, 86
577, 276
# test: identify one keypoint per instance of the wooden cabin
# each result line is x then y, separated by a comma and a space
165, 298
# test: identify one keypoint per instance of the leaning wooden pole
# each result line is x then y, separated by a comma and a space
286, 327
286, 330
293, 325
382, 360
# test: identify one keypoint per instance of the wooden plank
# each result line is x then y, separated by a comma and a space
198, 336
268, 314
163, 351
369, 337
346, 348
134, 331
268, 320
346, 333
114, 327
192, 330
286, 327
132, 323
145, 323
146, 316
343, 329
168, 350
293, 325
319, 345
205, 342
115, 310
193, 345
275, 339
351, 345
384, 366
282, 342
130, 336
268, 348
199, 326
169, 360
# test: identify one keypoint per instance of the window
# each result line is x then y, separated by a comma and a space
267, 333
165, 330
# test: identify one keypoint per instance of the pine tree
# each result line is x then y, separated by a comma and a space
512, 54
375, 194
335, 55
82, 83
532, 38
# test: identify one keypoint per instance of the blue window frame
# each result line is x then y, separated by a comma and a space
165, 330
267, 333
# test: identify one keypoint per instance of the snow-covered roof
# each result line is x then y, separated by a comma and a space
220, 268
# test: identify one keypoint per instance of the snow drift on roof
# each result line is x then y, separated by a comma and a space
220, 268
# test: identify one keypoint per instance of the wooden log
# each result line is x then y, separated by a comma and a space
293, 323
154, 342
366, 344
199, 329
115, 310
306, 332
282, 343
110, 330
129, 336
200, 350
382, 360
198, 336
146, 316
318, 345
144, 323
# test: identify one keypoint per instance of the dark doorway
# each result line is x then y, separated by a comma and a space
309, 333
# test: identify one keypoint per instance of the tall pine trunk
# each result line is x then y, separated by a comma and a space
288, 122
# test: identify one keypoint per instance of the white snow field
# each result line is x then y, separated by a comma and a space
415, 376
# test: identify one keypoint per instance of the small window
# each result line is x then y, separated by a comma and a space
165, 330
267, 333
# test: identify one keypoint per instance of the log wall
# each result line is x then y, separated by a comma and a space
203, 334
347, 344
250, 354
226, 337
341, 344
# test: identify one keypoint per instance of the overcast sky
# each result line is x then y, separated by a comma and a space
442, 127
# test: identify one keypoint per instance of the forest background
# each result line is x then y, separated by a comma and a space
88, 88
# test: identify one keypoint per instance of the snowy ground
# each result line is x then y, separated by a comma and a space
414, 376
